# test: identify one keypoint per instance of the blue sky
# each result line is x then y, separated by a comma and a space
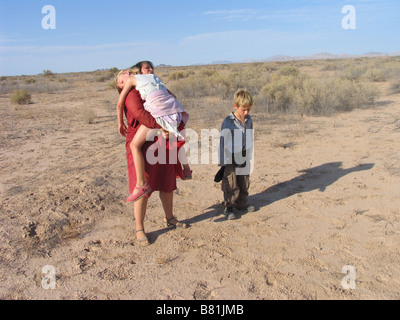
98, 34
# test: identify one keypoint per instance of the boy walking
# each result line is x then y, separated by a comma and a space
235, 155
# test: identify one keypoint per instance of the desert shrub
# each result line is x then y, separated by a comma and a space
105, 75
353, 73
21, 96
178, 75
29, 80
208, 73
88, 115
374, 75
210, 83
300, 94
193, 87
280, 92
289, 71
48, 73
331, 66
113, 70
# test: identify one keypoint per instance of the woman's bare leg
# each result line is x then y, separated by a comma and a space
139, 212
167, 200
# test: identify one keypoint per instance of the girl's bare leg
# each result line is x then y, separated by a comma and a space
138, 159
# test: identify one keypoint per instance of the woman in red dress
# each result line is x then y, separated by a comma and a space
161, 177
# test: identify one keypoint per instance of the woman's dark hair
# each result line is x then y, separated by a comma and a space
141, 63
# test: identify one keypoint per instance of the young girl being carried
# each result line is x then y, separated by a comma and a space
166, 110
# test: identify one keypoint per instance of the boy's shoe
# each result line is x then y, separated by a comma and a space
141, 193
229, 215
248, 209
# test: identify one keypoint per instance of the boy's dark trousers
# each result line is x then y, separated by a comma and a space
235, 188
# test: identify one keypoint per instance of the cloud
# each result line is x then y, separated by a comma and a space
248, 44
233, 15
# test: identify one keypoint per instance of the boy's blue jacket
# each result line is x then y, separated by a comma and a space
236, 141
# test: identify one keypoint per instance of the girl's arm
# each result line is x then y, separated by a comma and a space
121, 103
121, 124
122, 96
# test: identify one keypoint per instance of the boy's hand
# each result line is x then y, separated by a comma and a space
122, 129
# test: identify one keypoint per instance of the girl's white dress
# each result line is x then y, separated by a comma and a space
164, 107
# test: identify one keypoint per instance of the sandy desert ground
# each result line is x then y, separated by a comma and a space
327, 189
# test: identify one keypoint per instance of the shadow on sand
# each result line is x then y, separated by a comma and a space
317, 178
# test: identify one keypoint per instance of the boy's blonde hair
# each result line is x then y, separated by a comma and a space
243, 98
134, 70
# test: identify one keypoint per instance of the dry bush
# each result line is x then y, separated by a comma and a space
210, 83
301, 94
20, 96
374, 75
48, 73
354, 72
29, 80
36, 84
105, 75
281, 90
176, 75
88, 115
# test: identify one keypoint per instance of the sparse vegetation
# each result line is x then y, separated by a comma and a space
21, 97
295, 87
48, 73
285, 87
88, 115
105, 75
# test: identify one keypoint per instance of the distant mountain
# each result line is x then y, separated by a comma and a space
163, 66
221, 62
325, 56
317, 56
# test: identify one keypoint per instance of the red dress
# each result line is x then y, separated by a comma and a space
161, 177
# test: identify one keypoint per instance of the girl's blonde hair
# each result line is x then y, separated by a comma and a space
243, 98
133, 70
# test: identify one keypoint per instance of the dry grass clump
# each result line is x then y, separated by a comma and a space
20, 96
285, 87
176, 75
36, 84
88, 115
298, 93
105, 75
